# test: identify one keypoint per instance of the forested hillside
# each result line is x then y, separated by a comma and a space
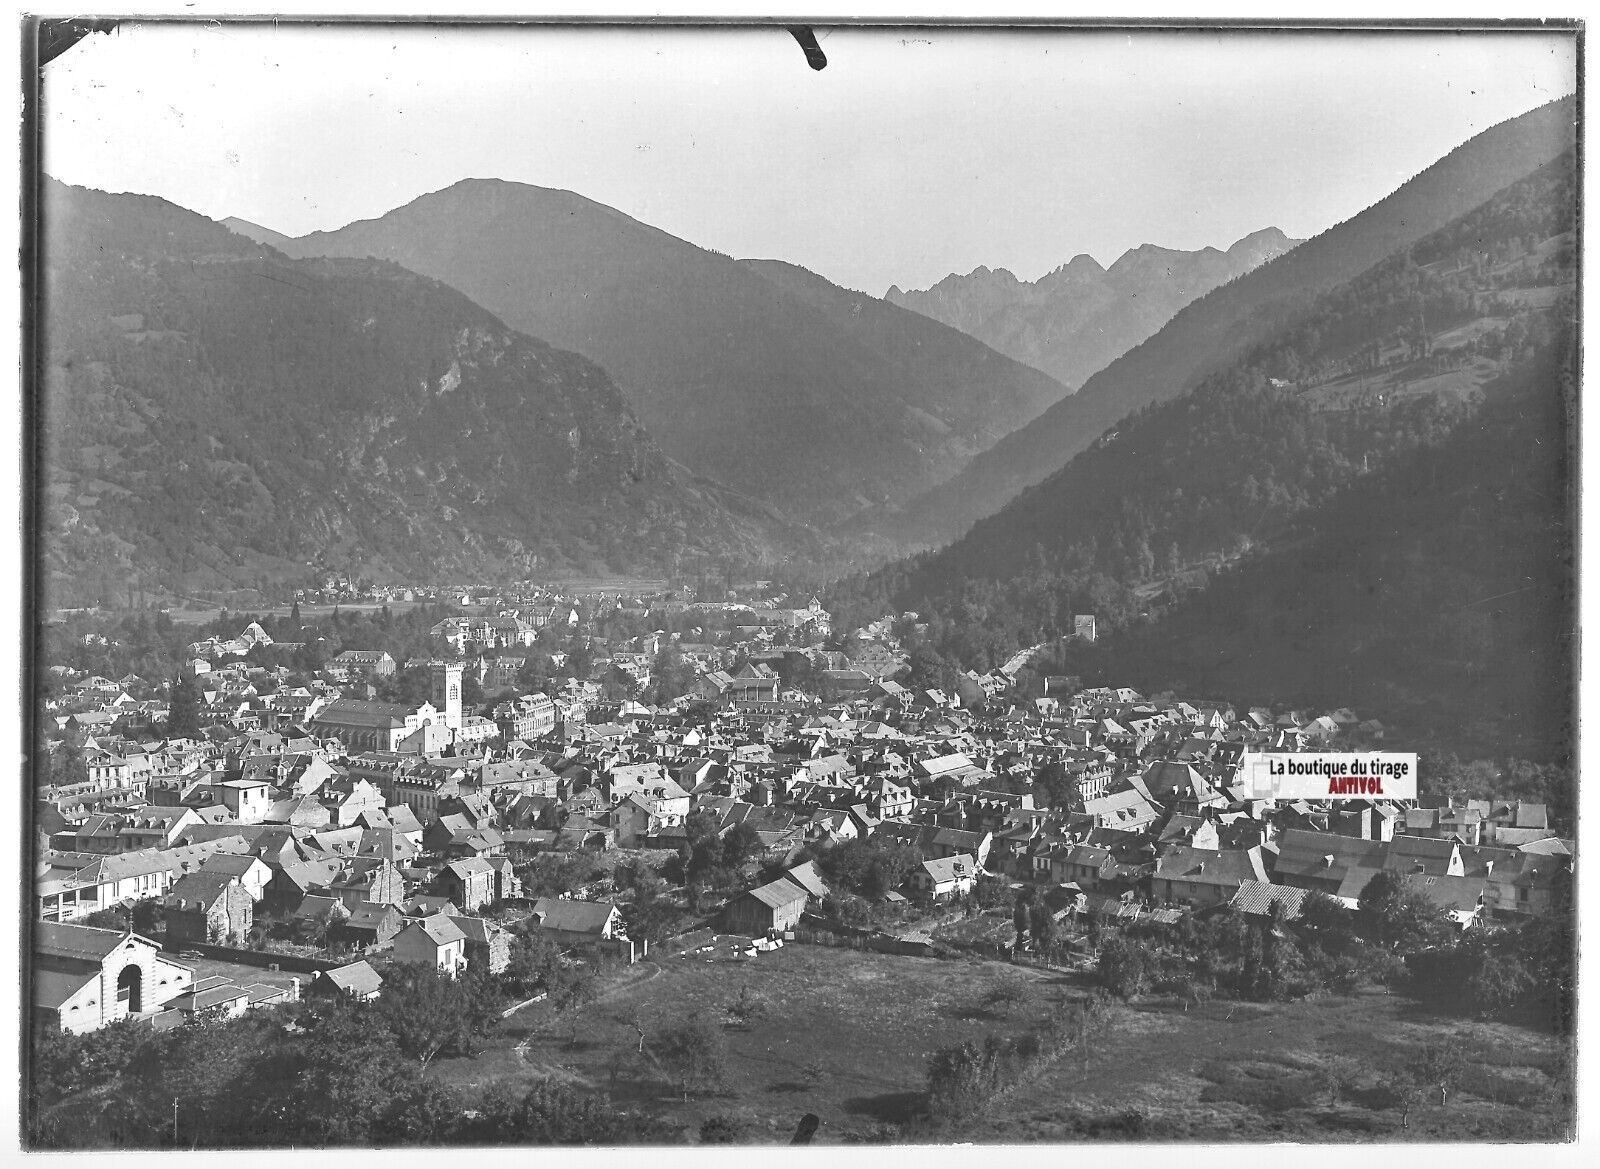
1074, 321
216, 416
1219, 328
749, 374
1437, 594
1378, 374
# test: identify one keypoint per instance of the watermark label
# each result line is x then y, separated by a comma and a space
1332, 775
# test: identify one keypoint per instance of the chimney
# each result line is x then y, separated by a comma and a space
294, 989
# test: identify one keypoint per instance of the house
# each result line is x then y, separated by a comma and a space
1320, 860
469, 883
1128, 810
251, 872
86, 978
433, 941
214, 997
426, 905
369, 927
209, 907
1205, 876
488, 946
809, 879
636, 819
358, 980
570, 921
944, 877
71, 888
1259, 899
776, 905
248, 799
365, 662
294, 882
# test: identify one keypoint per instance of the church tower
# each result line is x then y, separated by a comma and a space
446, 695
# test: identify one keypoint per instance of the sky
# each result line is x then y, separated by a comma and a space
914, 154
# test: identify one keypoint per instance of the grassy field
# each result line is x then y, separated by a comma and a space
864, 1024
1308, 1071
866, 1021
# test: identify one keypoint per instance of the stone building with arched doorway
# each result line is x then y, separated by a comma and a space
85, 978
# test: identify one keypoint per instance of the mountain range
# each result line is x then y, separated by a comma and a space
1371, 505
1078, 319
1220, 326
217, 416
760, 375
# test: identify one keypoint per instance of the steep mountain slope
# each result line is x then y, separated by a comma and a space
216, 415
736, 375
1218, 327
1437, 594
254, 231
1376, 373
1081, 317
963, 391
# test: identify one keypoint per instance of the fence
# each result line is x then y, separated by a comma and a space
292, 963
692, 940
865, 941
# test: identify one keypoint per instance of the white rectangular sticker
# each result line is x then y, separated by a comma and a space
1332, 775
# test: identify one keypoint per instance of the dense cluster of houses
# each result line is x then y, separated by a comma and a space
391, 831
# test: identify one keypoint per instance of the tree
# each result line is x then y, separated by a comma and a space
471, 691
1498, 983
1123, 967
577, 988
423, 1113
1041, 927
1012, 995
748, 1008
106, 919
427, 1012
1442, 1065
66, 766
740, 844
535, 964
694, 1052
183, 715
1393, 913
549, 1113
1404, 1094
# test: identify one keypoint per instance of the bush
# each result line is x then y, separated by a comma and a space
1125, 967
694, 1052
722, 1129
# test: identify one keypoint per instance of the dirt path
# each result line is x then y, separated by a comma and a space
627, 983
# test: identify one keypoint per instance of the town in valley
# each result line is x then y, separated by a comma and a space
526, 646
561, 803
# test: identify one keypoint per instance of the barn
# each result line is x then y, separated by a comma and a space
773, 906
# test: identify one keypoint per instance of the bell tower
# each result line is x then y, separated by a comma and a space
446, 695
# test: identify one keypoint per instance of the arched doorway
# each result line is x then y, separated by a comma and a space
130, 987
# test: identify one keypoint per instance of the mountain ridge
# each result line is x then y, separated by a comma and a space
218, 415
1081, 315
755, 381
1215, 328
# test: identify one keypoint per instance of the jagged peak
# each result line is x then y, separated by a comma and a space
1270, 237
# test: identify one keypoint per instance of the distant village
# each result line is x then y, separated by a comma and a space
309, 836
